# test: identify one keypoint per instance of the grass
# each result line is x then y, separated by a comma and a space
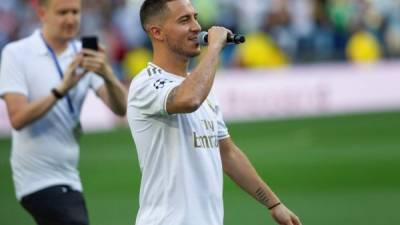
330, 171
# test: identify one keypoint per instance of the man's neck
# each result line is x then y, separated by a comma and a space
57, 45
171, 63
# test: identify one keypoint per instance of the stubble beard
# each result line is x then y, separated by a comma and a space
177, 49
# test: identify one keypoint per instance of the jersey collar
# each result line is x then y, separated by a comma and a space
153, 65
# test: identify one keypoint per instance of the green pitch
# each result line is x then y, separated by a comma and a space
330, 171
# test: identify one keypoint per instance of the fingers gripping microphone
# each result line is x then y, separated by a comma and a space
202, 37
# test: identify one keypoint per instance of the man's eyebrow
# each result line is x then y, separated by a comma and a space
187, 16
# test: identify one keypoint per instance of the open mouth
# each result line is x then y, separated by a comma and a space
194, 39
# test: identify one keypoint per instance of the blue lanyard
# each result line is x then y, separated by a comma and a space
60, 72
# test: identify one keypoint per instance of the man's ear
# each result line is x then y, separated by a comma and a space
41, 13
156, 32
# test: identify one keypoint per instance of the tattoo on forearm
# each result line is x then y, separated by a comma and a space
261, 196
171, 96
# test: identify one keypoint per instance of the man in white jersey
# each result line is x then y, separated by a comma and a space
182, 142
44, 92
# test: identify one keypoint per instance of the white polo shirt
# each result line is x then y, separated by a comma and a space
179, 155
44, 153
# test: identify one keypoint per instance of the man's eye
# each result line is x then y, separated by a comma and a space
184, 19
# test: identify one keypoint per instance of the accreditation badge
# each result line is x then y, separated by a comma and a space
77, 131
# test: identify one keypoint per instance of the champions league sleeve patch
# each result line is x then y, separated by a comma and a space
160, 83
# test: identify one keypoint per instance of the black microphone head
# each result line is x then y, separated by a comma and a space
202, 38
238, 39
235, 39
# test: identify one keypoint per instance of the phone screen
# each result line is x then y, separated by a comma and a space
90, 42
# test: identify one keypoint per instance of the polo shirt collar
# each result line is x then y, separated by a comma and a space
41, 48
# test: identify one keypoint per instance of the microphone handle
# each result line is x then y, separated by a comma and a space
231, 38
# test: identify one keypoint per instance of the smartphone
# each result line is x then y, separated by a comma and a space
90, 42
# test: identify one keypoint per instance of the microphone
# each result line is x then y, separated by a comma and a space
202, 38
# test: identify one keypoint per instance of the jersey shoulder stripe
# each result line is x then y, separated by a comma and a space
152, 70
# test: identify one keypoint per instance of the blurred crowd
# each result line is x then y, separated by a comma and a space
278, 32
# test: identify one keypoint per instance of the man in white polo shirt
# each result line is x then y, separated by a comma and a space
44, 91
182, 142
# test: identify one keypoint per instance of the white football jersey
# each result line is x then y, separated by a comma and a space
179, 155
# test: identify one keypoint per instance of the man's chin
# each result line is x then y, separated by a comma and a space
70, 34
195, 53
68, 38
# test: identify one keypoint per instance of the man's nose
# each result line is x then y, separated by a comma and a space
71, 17
195, 26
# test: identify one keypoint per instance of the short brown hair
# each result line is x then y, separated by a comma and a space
151, 9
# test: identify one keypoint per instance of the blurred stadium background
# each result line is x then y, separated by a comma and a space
312, 97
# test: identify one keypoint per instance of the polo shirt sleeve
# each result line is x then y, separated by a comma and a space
150, 96
12, 78
95, 81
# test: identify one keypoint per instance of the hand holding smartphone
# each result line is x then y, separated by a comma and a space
88, 42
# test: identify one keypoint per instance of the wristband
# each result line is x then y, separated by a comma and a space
56, 93
273, 206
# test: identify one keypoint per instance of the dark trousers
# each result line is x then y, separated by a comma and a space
57, 205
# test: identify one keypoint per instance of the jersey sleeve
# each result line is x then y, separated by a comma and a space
150, 96
222, 129
12, 78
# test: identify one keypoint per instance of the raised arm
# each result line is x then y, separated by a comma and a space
190, 94
240, 170
22, 112
113, 93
